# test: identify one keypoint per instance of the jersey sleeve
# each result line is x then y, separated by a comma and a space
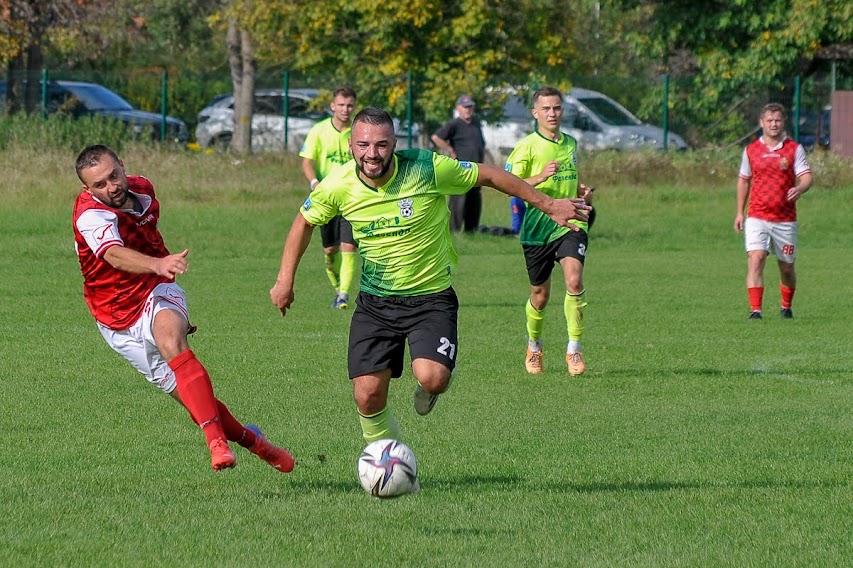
454, 177
445, 132
801, 164
100, 230
745, 169
518, 162
320, 207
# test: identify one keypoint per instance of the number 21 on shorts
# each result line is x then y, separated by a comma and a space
447, 348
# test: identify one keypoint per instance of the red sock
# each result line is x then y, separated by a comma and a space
196, 393
787, 296
234, 431
756, 298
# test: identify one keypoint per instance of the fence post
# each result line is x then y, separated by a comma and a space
44, 94
164, 93
286, 106
409, 114
666, 111
797, 108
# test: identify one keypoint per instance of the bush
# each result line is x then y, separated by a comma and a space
58, 132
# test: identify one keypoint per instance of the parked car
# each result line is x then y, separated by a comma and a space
595, 120
216, 121
76, 99
815, 130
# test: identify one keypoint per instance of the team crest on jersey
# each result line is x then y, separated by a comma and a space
784, 164
465, 165
307, 205
406, 209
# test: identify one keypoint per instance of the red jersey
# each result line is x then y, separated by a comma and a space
772, 172
115, 297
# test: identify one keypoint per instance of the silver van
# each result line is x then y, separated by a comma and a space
595, 120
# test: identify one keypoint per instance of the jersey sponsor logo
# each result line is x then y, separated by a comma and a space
307, 205
339, 157
383, 224
145, 221
465, 165
406, 208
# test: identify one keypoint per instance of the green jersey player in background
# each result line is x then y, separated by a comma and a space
397, 205
326, 147
548, 160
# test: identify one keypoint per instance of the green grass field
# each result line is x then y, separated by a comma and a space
696, 438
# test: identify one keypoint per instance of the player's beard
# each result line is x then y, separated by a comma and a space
120, 201
386, 165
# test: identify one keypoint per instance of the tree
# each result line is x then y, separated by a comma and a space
450, 46
732, 55
26, 26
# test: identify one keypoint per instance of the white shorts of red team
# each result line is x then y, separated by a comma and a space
136, 344
778, 238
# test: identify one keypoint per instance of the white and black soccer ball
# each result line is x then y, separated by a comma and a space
388, 468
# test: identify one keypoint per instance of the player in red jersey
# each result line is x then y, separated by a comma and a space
774, 173
129, 286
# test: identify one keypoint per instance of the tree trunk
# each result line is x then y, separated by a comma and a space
32, 95
15, 84
241, 57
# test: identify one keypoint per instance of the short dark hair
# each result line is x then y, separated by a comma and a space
547, 92
345, 92
92, 156
771, 108
375, 116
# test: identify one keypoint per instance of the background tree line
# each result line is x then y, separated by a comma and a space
725, 57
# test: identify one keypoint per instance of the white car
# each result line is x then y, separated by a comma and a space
216, 121
595, 120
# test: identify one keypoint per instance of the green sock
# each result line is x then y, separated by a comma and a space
535, 320
348, 260
379, 426
331, 269
573, 306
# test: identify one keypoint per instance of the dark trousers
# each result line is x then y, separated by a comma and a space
465, 211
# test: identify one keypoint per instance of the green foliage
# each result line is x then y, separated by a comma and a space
697, 438
731, 57
450, 47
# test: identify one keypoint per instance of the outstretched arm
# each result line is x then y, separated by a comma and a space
560, 210
297, 241
129, 260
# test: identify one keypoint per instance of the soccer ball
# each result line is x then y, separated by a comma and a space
388, 468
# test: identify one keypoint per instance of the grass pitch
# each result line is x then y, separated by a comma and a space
696, 438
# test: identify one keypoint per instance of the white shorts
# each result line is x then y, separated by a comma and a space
762, 235
136, 344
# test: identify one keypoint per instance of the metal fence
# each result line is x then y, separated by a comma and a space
670, 104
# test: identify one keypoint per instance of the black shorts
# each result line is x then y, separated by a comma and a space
540, 259
380, 327
336, 231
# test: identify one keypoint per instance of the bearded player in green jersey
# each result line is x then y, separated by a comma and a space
548, 160
397, 205
326, 147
